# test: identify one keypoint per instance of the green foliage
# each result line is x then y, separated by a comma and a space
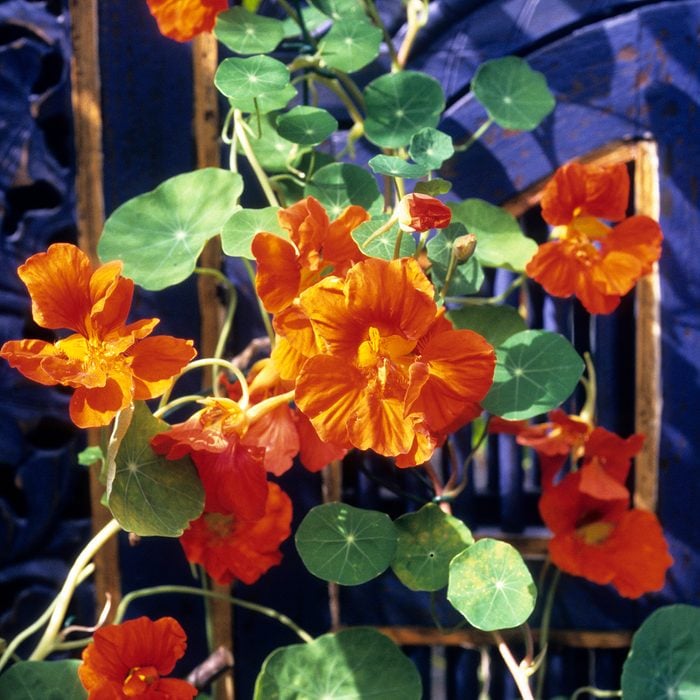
353, 664
664, 661
350, 45
433, 187
241, 228
399, 105
307, 126
90, 455
383, 245
247, 33
42, 680
495, 323
151, 495
491, 586
274, 153
348, 545
248, 78
514, 95
467, 278
428, 540
535, 372
159, 235
264, 104
396, 167
431, 148
340, 9
340, 184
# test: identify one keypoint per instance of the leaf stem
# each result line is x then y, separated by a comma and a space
596, 692
518, 673
478, 301
544, 631
252, 159
474, 137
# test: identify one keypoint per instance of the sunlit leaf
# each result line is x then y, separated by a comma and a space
159, 235
350, 44
42, 680
433, 187
500, 240
535, 372
90, 455
383, 245
246, 78
340, 184
312, 18
269, 102
396, 167
431, 148
514, 95
353, 664
274, 153
308, 126
428, 540
467, 278
664, 661
491, 586
247, 33
340, 9
399, 105
348, 545
151, 495
495, 323
241, 228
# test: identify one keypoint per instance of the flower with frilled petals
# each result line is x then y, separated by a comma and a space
182, 20
588, 258
231, 547
108, 362
394, 376
603, 539
421, 212
130, 660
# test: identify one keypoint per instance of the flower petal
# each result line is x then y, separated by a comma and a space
184, 19
278, 277
155, 361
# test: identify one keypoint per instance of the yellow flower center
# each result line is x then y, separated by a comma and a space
595, 533
385, 359
139, 680
219, 524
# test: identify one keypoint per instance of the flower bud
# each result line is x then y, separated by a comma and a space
464, 247
420, 212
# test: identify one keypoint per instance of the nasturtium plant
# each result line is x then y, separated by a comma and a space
399, 105
42, 680
341, 9
434, 187
240, 229
378, 241
514, 95
350, 44
159, 235
535, 372
274, 152
428, 540
490, 584
245, 32
495, 323
431, 147
150, 495
307, 126
664, 661
338, 185
394, 166
500, 240
352, 664
466, 277
247, 78
269, 102
344, 544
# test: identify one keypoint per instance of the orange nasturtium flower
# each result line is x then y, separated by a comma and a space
108, 362
395, 376
587, 257
230, 547
129, 660
421, 212
184, 19
603, 539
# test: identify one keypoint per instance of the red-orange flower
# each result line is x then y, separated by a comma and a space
230, 547
588, 258
603, 540
129, 660
184, 19
421, 212
108, 362
395, 375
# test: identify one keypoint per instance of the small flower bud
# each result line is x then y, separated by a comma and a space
420, 212
464, 247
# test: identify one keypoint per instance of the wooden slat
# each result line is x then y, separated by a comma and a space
87, 121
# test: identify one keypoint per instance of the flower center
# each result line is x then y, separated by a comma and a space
139, 680
595, 533
219, 525
385, 359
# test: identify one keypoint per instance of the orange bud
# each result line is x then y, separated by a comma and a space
420, 212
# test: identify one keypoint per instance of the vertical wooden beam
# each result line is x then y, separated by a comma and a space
87, 124
648, 397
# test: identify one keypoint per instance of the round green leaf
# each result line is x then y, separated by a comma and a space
42, 680
308, 126
274, 153
353, 664
348, 545
270, 102
341, 9
241, 228
467, 278
246, 32
428, 540
500, 240
535, 372
350, 45
151, 495
495, 323
399, 105
159, 235
491, 586
514, 95
241, 78
664, 661
340, 184
431, 148
383, 245
313, 19
433, 187
394, 166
